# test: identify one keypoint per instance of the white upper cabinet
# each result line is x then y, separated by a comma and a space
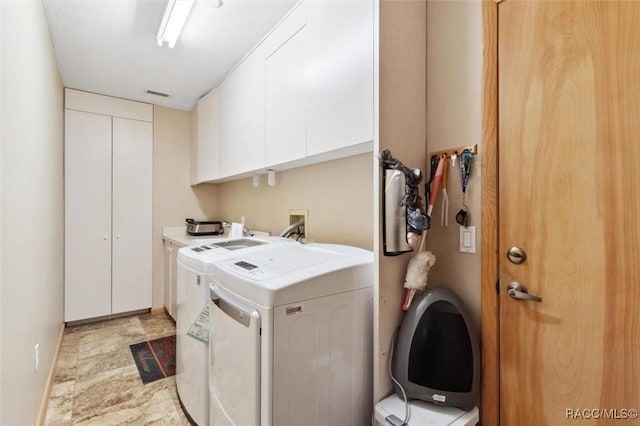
242, 117
99, 104
339, 74
208, 138
193, 148
304, 95
286, 113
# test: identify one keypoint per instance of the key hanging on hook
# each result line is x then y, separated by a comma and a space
444, 212
454, 156
462, 218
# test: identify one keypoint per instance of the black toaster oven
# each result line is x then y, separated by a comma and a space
196, 227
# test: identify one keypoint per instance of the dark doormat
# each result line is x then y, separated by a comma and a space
155, 359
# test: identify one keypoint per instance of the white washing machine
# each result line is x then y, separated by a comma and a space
195, 266
291, 338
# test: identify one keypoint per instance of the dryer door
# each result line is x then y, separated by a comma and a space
234, 361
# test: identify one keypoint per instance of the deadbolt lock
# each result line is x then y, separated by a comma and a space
516, 255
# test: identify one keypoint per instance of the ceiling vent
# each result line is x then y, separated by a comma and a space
153, 92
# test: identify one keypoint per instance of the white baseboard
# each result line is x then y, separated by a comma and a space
47, 389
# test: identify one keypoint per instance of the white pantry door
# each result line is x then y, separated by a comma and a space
132, 214
87, 215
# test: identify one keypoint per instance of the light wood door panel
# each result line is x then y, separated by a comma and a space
87, 257
569, 108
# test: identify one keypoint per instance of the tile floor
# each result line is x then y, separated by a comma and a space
96, 380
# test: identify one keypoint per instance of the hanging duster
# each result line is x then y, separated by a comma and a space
419, 266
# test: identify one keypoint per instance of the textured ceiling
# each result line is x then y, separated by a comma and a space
109, 46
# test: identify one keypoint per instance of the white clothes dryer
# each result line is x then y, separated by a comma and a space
291, 336
195, 267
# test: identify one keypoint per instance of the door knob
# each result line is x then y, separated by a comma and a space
516, 255
518, 291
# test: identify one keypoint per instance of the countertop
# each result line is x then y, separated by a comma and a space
178, 235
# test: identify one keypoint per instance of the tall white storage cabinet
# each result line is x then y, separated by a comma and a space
108, 205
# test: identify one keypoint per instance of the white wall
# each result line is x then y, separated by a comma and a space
1, 205
454, 75
31, 225
173, 197
401, 117
338, 195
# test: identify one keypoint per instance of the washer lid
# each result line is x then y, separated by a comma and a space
278, 274
201, 257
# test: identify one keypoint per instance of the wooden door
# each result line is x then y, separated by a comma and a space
132, 214
87, 202
569, 191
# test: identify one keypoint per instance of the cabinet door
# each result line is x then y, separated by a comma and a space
173, 305
242, 117
339, 74
286, 111
87, 215
193, 148
166, 263
207, 137
171, 279
132, 189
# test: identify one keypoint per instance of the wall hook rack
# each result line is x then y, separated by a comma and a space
457, 150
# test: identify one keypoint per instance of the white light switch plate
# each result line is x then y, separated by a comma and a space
467, 239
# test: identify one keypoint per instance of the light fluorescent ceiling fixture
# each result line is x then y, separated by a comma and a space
175, 15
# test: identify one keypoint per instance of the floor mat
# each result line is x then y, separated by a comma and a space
155, 359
